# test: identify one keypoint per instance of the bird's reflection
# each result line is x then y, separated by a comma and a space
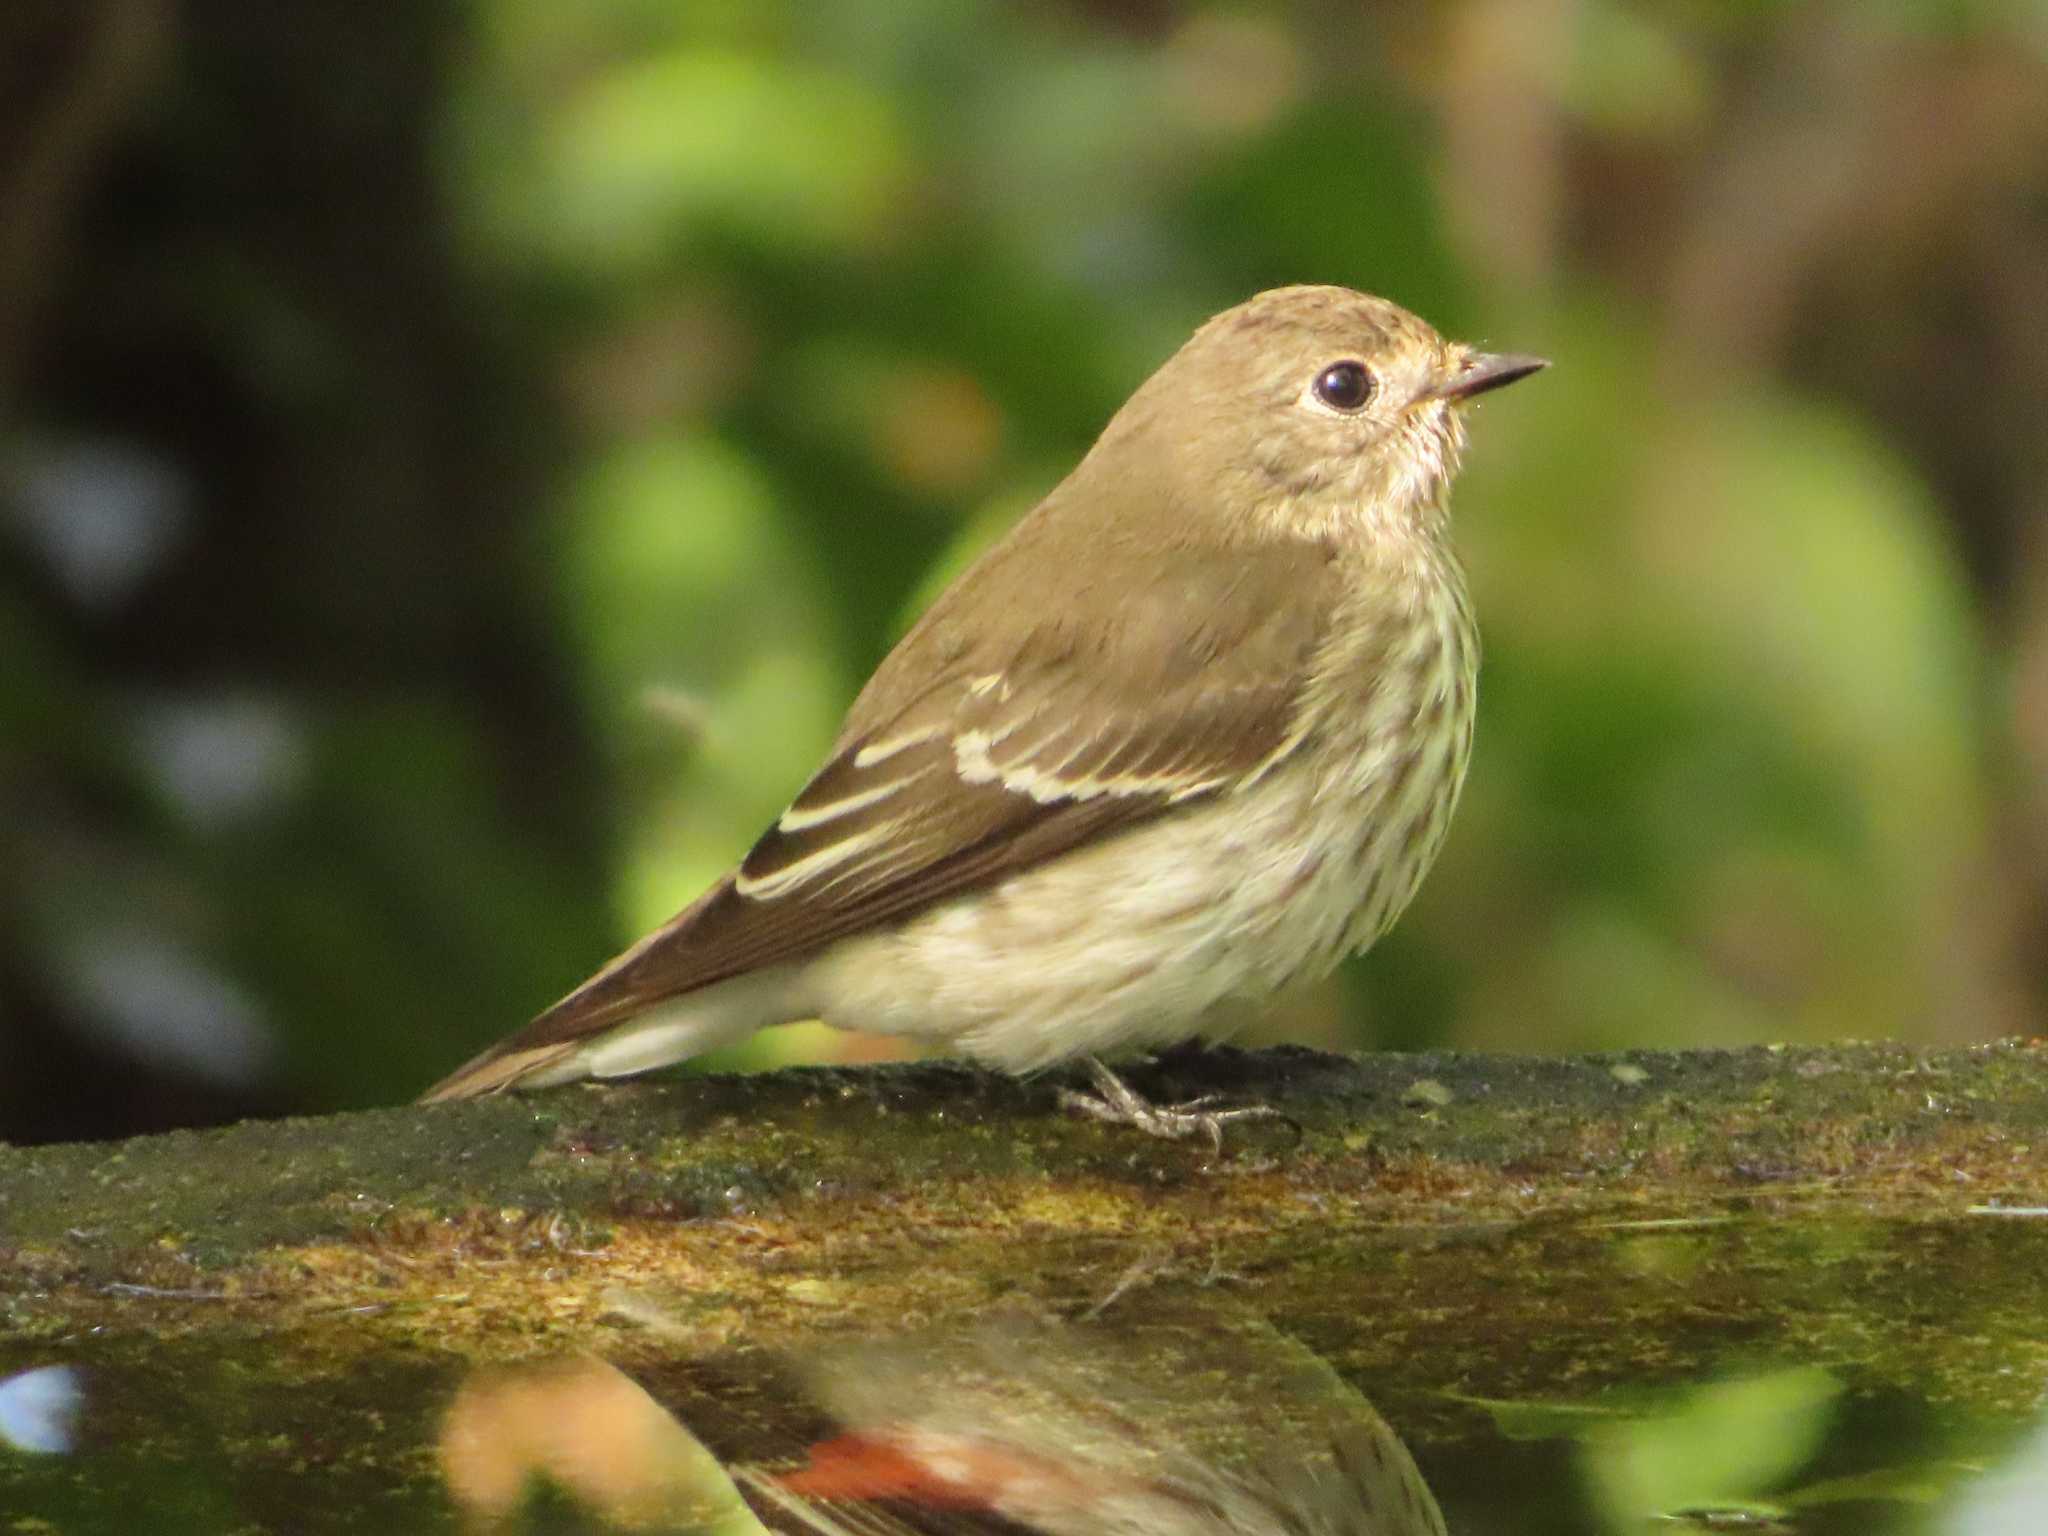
1194, 1428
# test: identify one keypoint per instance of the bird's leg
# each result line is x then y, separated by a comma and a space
1116, 1102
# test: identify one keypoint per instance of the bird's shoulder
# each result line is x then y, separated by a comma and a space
1142, 630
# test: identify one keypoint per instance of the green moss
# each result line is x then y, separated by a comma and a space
1822, 1195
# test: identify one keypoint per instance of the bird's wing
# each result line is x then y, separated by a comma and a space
1167, 678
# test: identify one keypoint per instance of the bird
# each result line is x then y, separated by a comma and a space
1204, 1422
1191, 733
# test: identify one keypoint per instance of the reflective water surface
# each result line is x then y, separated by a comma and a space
1746, 1375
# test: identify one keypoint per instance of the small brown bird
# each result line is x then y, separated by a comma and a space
1192, 732
1196, 1422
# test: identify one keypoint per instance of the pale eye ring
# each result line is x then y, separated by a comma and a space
1347, 386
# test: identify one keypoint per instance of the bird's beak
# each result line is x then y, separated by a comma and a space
1482, 371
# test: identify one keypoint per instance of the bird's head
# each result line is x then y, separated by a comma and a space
1309, 411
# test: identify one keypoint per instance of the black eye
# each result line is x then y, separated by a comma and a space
1345, 386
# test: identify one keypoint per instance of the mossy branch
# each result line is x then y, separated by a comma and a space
1449, 1196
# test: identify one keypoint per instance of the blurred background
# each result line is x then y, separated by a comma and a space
458, 461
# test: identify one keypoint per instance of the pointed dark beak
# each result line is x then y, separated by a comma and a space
1488, 370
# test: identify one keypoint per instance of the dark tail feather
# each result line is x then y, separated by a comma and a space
585, 1013
634, 982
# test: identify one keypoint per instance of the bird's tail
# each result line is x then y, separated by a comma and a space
612, 1027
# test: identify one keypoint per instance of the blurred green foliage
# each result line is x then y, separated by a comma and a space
1720, 1447
786, 310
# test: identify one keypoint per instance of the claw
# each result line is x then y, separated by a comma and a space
1115, 1102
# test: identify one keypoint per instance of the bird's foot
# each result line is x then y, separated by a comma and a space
1116, 1102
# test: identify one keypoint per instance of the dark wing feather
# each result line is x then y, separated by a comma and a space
1166, 677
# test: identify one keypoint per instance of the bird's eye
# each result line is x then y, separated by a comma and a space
1345, 386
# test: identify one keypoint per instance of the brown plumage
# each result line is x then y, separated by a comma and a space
1093, 1430
1235, 633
